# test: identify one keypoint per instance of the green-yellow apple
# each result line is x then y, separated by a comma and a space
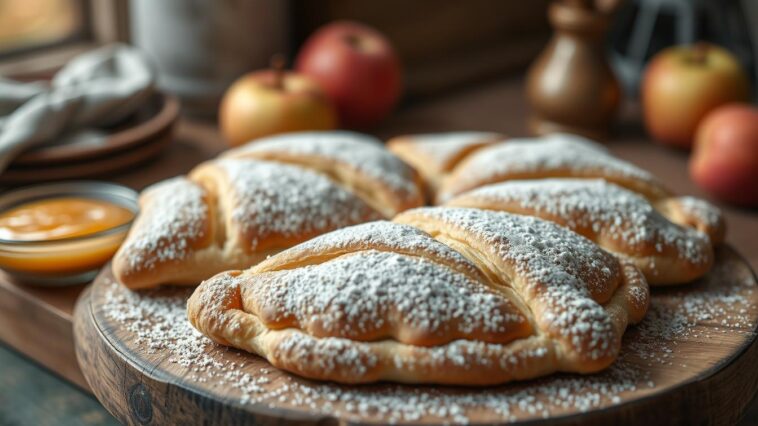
357, 67
273, 101
683, 83
725, 156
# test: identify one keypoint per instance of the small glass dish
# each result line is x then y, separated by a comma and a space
64, 261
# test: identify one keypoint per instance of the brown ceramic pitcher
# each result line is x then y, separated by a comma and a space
570, 86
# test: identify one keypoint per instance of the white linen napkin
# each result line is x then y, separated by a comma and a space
95, 89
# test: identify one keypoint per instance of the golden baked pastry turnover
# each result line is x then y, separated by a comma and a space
439, 295
234, 211
552, 156
671, 240
358, 162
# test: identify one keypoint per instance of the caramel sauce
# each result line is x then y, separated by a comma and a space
53, 222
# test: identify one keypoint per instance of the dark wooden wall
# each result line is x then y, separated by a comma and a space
442, 43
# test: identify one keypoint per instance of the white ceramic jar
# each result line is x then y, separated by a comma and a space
201, 46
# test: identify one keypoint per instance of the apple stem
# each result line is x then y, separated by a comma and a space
277, 65
581, 4
354, 41
700, 52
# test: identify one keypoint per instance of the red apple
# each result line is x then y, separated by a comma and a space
273, 101
358, 69
683, 83
725, 157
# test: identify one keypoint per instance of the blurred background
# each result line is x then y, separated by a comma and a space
610, 70
202, 46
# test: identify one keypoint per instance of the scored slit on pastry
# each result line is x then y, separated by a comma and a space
233, 212
671, 240
434, 155
388, 301
556, 155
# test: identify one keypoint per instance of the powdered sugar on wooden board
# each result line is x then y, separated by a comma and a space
283, 200
362, 152
605, 208
154, 324
703, 312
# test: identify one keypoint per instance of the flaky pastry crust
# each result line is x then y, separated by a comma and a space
358, 162
233, 212
671, 240
552, 156
442, 295
455, 162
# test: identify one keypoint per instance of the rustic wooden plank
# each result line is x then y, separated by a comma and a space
30, 395
37, 322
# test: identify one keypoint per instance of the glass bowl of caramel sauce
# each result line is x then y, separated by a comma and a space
62, 233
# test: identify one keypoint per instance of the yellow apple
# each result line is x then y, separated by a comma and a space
683, 83
273, 101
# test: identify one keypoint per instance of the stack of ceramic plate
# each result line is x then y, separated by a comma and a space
138, 139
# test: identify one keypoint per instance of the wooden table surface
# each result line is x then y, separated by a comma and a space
46, 336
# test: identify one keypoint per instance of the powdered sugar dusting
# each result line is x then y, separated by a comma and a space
443, 147
704, 211
558, 268
364, 153
157, 322
384, 235
373, 295
554, 152
282, 200
696, 315
174, 218
605, 208
702, 313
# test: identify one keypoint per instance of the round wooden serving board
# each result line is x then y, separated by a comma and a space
691, 361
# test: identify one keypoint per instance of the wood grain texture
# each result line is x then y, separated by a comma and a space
29, 395
705, 375
142, 393
37, 322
